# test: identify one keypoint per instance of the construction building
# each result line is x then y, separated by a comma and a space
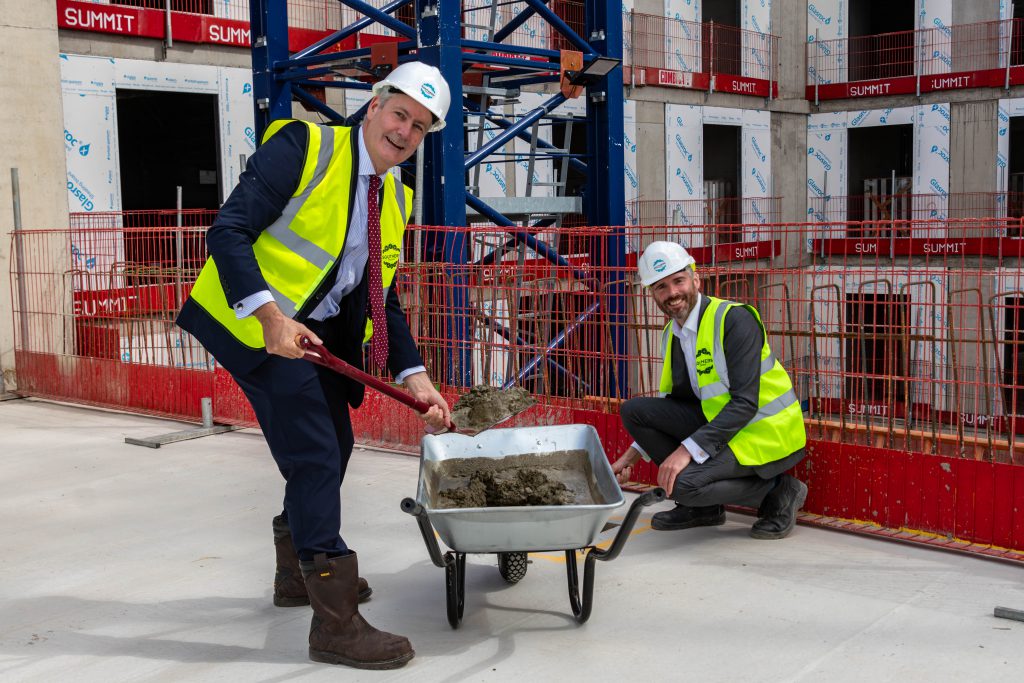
856, 169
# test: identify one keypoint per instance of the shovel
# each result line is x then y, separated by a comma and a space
316, 353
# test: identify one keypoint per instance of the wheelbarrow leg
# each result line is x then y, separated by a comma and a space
581, 606
454, 563
455, 586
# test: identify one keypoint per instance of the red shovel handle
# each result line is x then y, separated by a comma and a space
318, 354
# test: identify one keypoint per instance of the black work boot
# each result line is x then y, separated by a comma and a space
289, 588
338, 634
685, 517
777, 513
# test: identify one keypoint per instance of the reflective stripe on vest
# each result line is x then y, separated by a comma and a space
777, 428
298, 250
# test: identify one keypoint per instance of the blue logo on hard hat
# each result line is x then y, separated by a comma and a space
428, 91
659, 265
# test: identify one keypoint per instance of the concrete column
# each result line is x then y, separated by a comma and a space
789, 119
789, 165
975, 11
650, 149
31, 125
650, 7
972, 166
972, 46
789, 23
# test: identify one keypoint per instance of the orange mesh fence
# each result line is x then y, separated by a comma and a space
908, 337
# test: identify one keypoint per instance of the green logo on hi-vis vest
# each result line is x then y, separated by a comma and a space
390, 255
705, 363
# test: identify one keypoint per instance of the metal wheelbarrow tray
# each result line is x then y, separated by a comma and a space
511, 532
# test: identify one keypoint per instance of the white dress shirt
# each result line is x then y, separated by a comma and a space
687, 335
353, 258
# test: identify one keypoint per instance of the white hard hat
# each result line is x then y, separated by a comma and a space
424, 84
661, 259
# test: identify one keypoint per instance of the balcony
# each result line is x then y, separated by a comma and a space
987, 54
222, 22
699, 55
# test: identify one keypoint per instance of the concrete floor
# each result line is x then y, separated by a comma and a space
121, 563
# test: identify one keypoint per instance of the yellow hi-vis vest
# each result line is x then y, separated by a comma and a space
299, 250
777, 429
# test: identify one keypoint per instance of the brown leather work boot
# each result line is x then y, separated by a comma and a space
289, 588
338, 634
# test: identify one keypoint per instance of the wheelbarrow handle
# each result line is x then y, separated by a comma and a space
316, 353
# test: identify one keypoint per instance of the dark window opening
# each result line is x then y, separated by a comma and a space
720, 37
1017, 34
1013, 357
876, 347
166, 140
1015, 168
881, 43
722, 210
190, 6
877, 154
575, 181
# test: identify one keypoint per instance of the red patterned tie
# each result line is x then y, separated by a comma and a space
379, 348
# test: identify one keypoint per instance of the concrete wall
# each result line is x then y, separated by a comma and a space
31, 125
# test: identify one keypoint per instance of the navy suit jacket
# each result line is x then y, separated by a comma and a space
271, 177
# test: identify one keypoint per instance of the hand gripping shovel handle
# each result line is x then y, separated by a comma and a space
316, 353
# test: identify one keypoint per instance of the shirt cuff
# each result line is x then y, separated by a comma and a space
246, 307
643, 454
400, 379
696, 452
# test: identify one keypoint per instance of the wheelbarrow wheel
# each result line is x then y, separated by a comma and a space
512, 566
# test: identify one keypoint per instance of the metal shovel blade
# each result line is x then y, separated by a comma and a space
483, 407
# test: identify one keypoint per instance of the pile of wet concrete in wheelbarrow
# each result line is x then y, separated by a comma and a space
559, 478
507, 487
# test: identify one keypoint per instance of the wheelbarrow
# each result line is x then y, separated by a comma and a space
512, 532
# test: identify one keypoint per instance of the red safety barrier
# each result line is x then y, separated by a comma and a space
905, 348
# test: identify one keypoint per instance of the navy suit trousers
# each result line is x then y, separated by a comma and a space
303, 411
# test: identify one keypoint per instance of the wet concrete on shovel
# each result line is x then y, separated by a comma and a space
484, 406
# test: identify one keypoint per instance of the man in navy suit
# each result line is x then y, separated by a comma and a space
308, 244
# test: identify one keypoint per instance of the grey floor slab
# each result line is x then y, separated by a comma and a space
122, 563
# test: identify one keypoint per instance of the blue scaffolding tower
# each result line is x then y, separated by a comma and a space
438, 38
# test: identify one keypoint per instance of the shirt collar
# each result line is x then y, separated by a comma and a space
365, 163
692, 321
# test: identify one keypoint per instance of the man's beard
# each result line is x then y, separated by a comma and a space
680, 314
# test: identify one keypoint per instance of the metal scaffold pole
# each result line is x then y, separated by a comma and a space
505, 63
